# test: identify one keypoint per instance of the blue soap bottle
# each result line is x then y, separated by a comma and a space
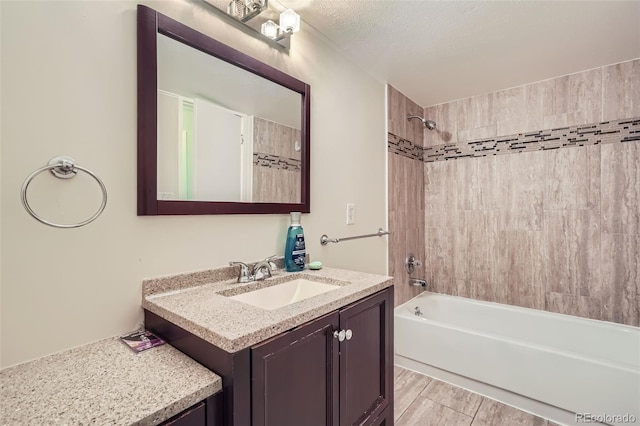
294, 251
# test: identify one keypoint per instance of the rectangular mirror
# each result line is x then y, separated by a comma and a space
218, 131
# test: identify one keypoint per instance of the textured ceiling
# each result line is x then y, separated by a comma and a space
438, 51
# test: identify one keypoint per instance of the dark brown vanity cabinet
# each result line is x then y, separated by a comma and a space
315, 375
204, 413
306, 376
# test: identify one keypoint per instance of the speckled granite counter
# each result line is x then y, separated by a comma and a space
103, 383
201, 308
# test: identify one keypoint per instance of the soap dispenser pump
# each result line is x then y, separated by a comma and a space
294, 251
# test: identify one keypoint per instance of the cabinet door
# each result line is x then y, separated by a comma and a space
194, 416
295, 377
366, 371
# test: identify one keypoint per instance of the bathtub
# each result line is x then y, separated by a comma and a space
570, 370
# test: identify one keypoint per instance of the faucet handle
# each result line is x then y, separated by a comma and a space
272, 264
243, 274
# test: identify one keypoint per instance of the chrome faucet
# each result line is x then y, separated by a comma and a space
261, 270
243, 274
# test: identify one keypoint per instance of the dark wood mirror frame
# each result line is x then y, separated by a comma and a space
151, 23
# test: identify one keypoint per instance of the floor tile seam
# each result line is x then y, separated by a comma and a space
471, 419
482, 398
413, 400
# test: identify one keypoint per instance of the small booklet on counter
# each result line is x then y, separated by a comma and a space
141, 340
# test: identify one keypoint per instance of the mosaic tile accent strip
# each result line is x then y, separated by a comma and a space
404, 147
626, 130
276, 162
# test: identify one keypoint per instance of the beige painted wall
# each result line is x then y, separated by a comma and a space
69, 87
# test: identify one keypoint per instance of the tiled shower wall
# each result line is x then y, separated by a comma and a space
557, 229
406, 197
276, 163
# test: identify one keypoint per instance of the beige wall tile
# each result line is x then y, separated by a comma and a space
475, 289
446, 118
567, 304
572, 93
476, 112
397, 243
526, 229
572, 178
572, 240
396, 179
621, 187
516, 271
620, 257
441, 191
439, 264
476, 118
274, 138
414, 185
477, 133
472, 233
572, 119
519, 110
397, 110
621, 90
477, 184
520, 189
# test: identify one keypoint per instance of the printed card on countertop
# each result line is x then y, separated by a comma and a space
141, 340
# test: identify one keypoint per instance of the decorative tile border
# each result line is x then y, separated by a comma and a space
276, 162
404, 147
626, 130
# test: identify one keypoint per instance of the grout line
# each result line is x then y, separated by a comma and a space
416, 395
482, 400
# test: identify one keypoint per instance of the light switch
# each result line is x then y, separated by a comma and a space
351, 213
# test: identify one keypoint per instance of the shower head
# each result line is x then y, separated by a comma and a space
427, 123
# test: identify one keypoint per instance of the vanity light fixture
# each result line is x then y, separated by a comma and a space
270, 29
253, 8
289, 24
256, 18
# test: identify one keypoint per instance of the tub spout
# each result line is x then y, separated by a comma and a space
416, 282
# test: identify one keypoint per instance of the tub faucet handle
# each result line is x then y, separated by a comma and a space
411, 262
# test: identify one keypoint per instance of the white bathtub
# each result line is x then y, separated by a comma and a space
548, 364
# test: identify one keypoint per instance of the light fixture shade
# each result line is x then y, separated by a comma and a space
270, 29
237, 9
290, 21
256, 4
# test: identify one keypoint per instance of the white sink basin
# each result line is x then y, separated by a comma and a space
284, 294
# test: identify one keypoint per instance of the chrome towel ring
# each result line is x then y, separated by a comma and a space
64, 168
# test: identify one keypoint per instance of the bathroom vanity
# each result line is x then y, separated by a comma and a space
322, 360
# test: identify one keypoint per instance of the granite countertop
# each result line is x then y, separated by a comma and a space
104, 383
196, 303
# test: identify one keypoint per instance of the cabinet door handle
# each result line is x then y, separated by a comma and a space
340, 335
348, 334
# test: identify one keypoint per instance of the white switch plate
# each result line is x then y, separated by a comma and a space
351, 213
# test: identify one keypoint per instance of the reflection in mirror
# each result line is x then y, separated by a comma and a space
219, 132
224, 134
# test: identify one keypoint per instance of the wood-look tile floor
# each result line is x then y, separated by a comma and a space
424, 401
